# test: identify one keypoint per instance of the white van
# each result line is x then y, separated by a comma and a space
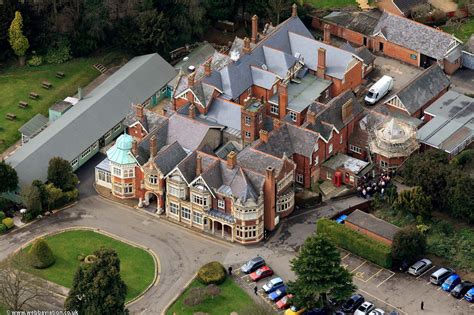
379, 89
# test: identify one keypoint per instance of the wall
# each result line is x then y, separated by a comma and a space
397, 52
449, 67
368, 233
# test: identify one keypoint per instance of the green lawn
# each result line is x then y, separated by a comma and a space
232, 298
463, 32
328, 4
137, 266
17, 82
3, 310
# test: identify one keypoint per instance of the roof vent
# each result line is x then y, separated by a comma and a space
234, 55
191, 68
186, 58
264, 67
297, 55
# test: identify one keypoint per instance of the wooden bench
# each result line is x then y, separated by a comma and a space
10, 116
46, 85
22, 104
60, 75
34, 95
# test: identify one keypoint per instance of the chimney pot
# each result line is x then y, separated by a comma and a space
327, 34
153, 147
294, 10
321, 71
198, 165
270, 172
246, 48
191, 79
264, 136
254, 29
139, 111
231, 159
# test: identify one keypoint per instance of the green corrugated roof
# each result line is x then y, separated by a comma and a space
34, 125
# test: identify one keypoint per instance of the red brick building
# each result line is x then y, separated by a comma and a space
371, 226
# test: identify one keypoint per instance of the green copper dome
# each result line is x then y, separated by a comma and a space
120, 153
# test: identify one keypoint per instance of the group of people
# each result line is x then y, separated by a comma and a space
369, 186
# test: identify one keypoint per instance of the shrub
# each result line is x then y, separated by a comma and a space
409, 243
8, 222
195, 296
212, 273
355, 242
59, 53
35, 61
40, 255
2, 215
3, 228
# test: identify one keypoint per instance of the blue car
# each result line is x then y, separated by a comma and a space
469, 295
451, 282
341, 219
278, 294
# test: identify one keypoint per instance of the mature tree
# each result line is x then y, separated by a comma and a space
278, 7
18, 289
40, 255
414, 201
18, 41
32, 200
460, 196
219, 9
408, 244
42, 191
60, 174
319, 274
54, 194
8, 178
97, 287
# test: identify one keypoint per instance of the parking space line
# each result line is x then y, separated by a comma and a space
345, 256
386, 279
439, 289
399, 310
375, 274
425, 272
359, 266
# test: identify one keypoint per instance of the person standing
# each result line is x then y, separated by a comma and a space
230, 270
422, 305
255, 290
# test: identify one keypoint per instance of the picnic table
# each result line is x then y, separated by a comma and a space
60, 74
46, 85
34, 95
10, 116
22, 104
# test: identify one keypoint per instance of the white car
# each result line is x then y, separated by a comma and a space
377, 311
365, 308
273, 285
419, 267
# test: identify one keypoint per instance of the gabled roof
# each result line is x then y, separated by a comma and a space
423, 88
168, 157
405, 6
33, 126
415, 36
362, 52
224, 113
87, 121
258, 161
360, 22
150, 120
372, 223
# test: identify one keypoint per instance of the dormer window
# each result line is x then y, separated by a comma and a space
221, 204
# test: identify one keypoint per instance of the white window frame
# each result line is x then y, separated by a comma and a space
186, 213
274, 109
117, 128
299, 178
248, 121
340, 139
174, 208
74, 162
293, 116
199, 200
248, 134
355, 149
116, 171
221, 204
153, 179
197, 217
330, 148
128, 188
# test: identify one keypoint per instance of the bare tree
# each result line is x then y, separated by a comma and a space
17, 288
276, 8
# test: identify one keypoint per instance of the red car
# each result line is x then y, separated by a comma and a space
284, 302
261, 273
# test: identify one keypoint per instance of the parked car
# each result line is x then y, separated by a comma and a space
461, 289
452, 281
318, 311
440, 275
379, 89
261, 273
273, 284
294, 310
253, 264
277, 294
284, 302
377, 311
352, 303
364, 308
469, 296
341, 219
419, 267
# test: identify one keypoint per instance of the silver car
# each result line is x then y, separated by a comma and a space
420, 266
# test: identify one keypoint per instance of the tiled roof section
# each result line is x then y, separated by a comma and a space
373, 224
469, 46
263, 78
360, 22
224, 151
236, 182
203, 92
224, 113
423, 88
188, 132
415, 36
34, 125
187, 166
405, 6
257, 161
361, 52
278, 61
150, 121
359, 137
168, 157
161, 133
238, 45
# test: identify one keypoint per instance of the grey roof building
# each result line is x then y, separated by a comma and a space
406, 6
365, 222
91, 118
360, 22
452, 127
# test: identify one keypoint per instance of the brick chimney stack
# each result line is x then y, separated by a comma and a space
346, 111
135, 148
198, 165
327, 34
246, 48
191, 79
269, 188
264, 136
207, 68
254, 29
276, 124
294, 10
231, 159
282, 98
191, 111
321, 63
139, 111
311, 117
153, 147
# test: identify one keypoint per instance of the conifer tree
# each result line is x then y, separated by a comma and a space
18, 41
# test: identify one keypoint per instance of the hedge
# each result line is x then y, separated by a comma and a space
3, 228
212, 273
356, 243
8, 223
2, 215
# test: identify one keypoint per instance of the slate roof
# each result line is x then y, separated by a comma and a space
150, 121
87, 121
169, 156
415, 36
469, 46
362, 52
224, 151
405, 6
258, 161
344, 161
263, 78
453, 122
61, 106
224, 113
423, 88
373, 224
360, 22
34, 126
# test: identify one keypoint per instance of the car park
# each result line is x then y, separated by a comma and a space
377, 311
419, 267
440, 275
278, 294
284, 302
253, 264
452, 281
273, 284
364, 308
352, 303
469, 296
294, 310
461, 289
261, 273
